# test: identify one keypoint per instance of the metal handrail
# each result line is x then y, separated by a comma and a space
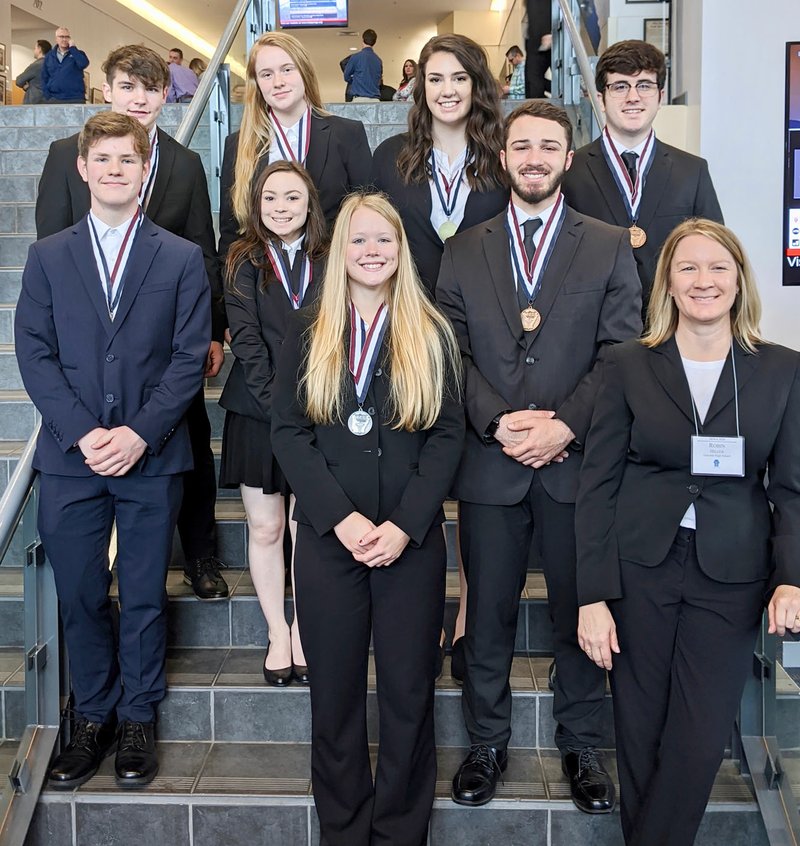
584, 64
201, 96
16, 494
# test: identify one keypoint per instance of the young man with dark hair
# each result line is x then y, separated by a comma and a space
515, 90
535, 296
627, 176
183, 81
30, 80
174, 196
112, 331
364, 71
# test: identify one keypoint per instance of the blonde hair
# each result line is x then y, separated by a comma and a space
662, 313
422, 349
255, 133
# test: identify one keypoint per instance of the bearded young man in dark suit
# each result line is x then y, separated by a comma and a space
627, 176
174, 197
112, 331
535, 295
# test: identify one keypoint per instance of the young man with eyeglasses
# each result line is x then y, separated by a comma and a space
629, 178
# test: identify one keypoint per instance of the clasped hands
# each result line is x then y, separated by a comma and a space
111, 452
534, 437
375, 546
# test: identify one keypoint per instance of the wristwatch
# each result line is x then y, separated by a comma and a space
491, 429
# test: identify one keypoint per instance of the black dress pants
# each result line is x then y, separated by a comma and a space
495, 546
339, 602
196, 522
686, 646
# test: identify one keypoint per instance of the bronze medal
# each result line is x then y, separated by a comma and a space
530, 318
638, 236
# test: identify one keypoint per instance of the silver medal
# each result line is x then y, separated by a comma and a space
359, 422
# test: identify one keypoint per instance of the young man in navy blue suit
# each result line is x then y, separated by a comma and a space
112, 332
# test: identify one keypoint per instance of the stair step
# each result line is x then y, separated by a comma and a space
240, 794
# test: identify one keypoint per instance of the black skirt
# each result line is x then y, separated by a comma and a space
247, 457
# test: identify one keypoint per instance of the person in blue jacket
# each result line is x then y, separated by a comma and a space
62, 72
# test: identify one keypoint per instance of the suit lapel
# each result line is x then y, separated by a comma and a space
746, 364
166, 159
668, 369
318, 148
498, 259
654, 186
139, 261
606, 186
80, 246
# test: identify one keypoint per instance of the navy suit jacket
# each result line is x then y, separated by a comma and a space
142, 370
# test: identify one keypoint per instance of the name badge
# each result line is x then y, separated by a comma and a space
717, 456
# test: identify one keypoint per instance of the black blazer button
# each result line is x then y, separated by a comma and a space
371, 410
694, 489
378, 372
530, 360
380, 452
110, 357
532, 406
109, 397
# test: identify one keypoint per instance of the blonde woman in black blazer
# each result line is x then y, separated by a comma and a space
675, 566
370, 465
273, 270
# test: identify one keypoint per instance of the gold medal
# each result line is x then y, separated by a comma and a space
530, 318
638, 236
447, 230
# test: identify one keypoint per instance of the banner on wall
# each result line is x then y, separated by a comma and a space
791, 182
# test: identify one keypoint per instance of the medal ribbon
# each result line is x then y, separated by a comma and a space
448, 205
365, 345
303, 138
283, 273
113, 297
529, 274
631, 191
147, 188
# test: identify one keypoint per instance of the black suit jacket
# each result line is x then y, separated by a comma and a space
590, 298
414, 204
258, 314
142, 369
178, 203
636, 482
338, 160
387, 474
678, 186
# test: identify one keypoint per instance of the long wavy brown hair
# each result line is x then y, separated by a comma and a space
252, 245
484, 125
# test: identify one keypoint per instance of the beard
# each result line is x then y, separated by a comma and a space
535, 194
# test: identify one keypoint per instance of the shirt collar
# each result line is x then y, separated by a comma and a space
103, 228
524, 217
294, 246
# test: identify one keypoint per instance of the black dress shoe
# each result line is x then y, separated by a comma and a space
300, 673
204, 577
457, 667
591, 786
136, 763
278, 678
551, 675
90, 743
475, 782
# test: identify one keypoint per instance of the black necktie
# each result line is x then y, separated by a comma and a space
294, 270
630, 164
530, 227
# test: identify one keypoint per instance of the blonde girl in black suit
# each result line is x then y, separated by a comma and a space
370, 464
274, 269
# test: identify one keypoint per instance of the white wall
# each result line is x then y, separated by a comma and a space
740, 98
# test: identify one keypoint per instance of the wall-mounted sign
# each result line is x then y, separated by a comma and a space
791, 179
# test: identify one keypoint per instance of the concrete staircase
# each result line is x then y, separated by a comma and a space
235, 753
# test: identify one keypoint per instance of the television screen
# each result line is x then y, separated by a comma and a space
312, 13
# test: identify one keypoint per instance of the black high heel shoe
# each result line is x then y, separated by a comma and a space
277, 678
300, 672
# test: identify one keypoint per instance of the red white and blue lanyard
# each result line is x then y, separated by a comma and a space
365, 346
529, 273
630, 190
114, 291
147, 187
448, 205
303, 138
282, 271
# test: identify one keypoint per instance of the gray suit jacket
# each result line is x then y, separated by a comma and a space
590, 297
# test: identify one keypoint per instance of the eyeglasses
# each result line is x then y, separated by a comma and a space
621, 89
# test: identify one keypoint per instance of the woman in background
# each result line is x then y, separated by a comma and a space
406, 87
368, 426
